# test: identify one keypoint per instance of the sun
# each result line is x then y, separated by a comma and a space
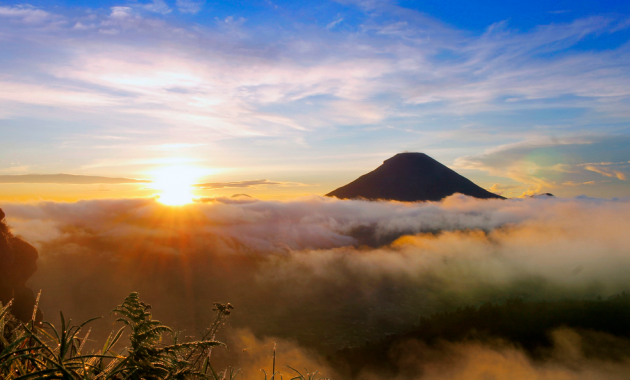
175, 184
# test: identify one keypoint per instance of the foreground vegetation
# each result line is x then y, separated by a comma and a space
32, 351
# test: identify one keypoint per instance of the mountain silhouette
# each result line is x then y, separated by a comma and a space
410, 177
543, 195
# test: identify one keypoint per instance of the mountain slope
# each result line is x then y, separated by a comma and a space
410, 177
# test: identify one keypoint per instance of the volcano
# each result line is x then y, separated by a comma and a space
410, 177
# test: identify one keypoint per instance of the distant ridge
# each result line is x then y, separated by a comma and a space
411, 177
543, 195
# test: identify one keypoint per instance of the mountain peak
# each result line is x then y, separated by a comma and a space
408, 156
410, 177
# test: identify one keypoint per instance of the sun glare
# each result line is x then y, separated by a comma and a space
175, 184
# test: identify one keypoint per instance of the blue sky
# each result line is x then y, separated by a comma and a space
520, 97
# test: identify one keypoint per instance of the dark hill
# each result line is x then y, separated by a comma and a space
410, 177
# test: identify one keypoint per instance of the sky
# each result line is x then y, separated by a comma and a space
278, 99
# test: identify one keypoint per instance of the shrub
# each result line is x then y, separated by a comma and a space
29, 351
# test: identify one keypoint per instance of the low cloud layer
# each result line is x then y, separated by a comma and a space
500, 360
325, 272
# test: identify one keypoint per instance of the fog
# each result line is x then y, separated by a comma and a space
319, 274
500, 360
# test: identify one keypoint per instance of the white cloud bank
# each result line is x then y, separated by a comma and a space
463, 249
330, 272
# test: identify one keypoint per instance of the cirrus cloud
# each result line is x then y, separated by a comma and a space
67, 179
246, 184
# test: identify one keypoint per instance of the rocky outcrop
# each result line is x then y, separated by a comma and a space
18, 262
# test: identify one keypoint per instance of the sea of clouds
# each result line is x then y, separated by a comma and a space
325, 273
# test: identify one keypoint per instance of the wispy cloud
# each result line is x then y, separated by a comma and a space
334, 23
190, 6
253, 184
514, 161
157, 6
609, 169
571, 183
24, 13
229, 84
504, 190
550, 163
67, 179
131, 68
